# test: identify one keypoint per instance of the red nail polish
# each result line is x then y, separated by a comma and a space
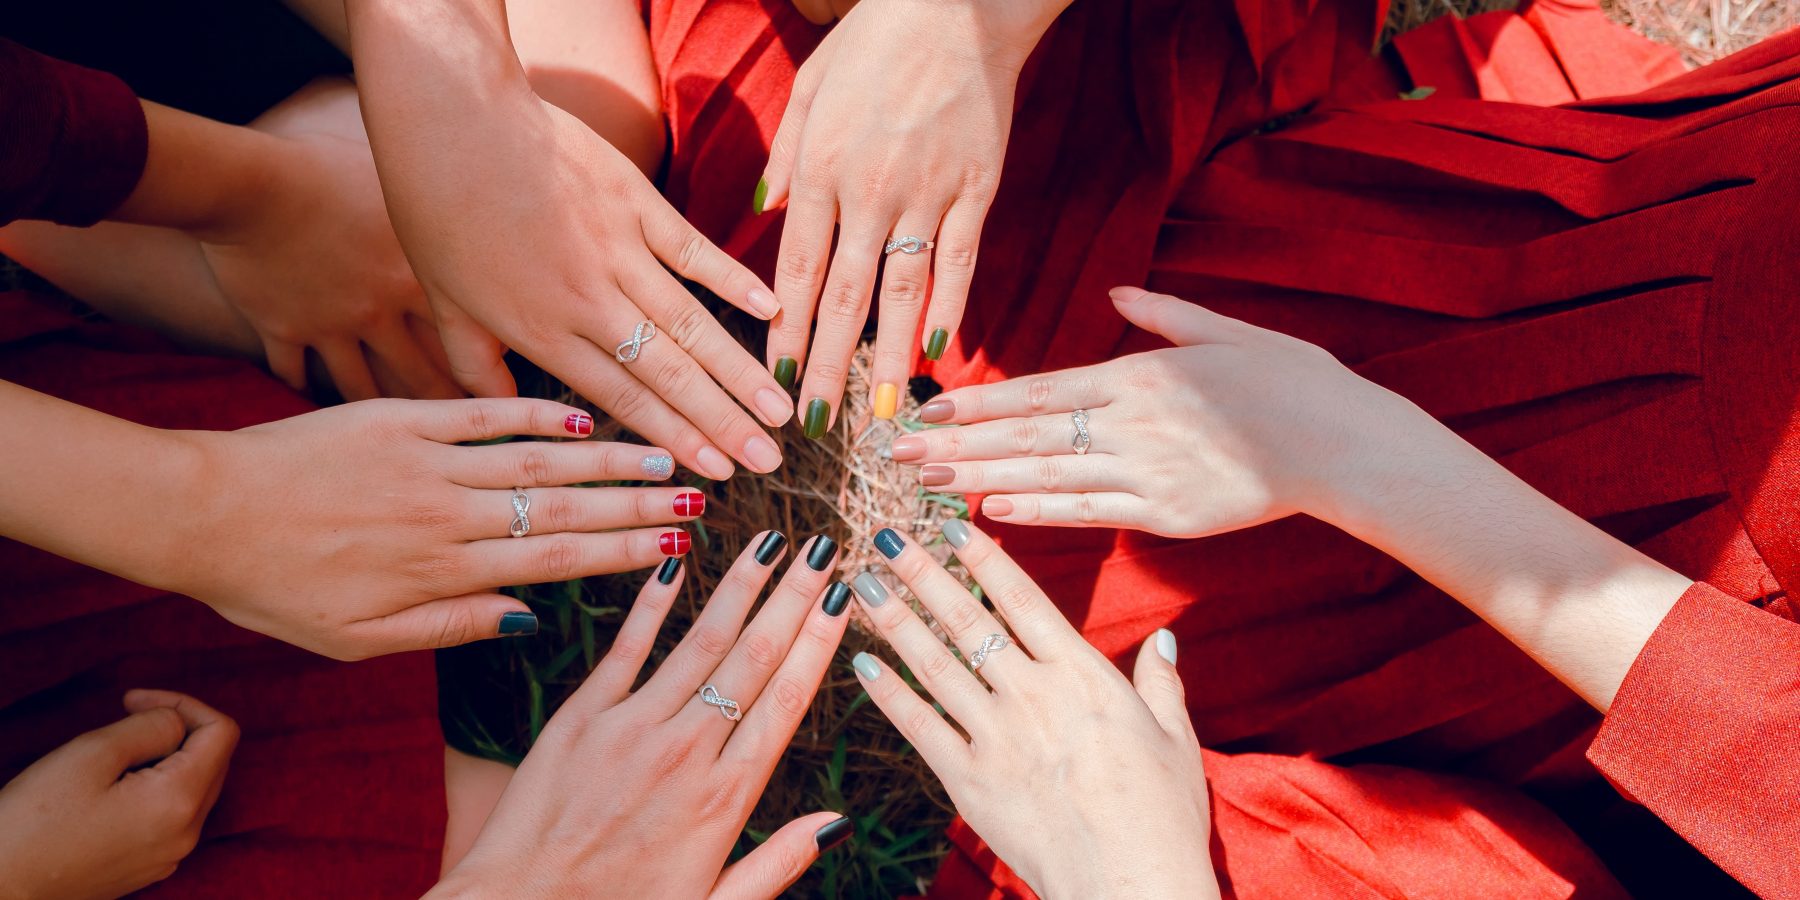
674, 543
692, 503
579, 424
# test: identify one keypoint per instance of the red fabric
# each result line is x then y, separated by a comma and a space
1596, 294
336, 789
74, 143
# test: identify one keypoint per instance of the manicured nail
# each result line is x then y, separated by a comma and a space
774, 406
956, 531
770, 547
824, 549
836, 598
818, 416
889, 543
665, 573
1165, 644
937, 411
762, 454
674, 543
786, 371
887, 398
762, 193
932, 476
934, 348
834, 833
995, 507
714, 464
658, 466
692, 503
865, 665
518, 624
579, 424
907, 449
763, 302
871, 589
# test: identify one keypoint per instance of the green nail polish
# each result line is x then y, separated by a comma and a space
818, 415
762, 194
786, 370
934, 348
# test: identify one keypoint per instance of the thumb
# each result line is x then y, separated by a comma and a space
443, 623
1159, 683
783, 858
140, 738
477, 359
1182, 322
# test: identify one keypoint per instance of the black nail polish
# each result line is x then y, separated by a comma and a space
665, 573
836, 598
821, 554
834, 833
518, 624
889, 543
770, 547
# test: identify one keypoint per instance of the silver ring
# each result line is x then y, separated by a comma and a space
1083, 440
643, 334
521, 523
907, 244
993, 643
728, 708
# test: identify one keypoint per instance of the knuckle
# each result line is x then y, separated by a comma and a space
688, 325
455, 626
1014, 598
902, 291
644, 506
628, 406
721, 801
436, 570
958, 257
1049, 473
761, 651
798, 265
481, 419
1087, 510
674, 379
1025, 437
690, 251
562, 512
917, 721
961, 618
535, 467
844, 300
1038, 391
560, 560
712, 643
790, 697
937, 665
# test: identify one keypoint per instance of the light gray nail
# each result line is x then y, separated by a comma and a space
865, 665
956, 531
871, 589
1165, 644
658, 466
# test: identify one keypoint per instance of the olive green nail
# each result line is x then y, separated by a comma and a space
934, 348
762, 194
818, 415
786, 369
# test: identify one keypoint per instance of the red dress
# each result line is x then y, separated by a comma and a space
1597, 293
337, 787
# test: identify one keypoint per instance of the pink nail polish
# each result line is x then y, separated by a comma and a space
579, 424
907, 449
937, 411
933, 476
994, 507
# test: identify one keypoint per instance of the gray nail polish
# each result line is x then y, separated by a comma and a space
865, 665
658, 466
871, 589
956, 531
1165, 644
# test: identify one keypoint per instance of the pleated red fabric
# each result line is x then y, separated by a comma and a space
1590, 281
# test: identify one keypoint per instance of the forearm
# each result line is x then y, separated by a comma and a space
200, 176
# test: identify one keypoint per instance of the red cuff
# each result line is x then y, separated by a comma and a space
1705, 732
77, 139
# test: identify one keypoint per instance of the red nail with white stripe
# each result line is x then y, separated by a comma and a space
674, 543
579, 424
692, 503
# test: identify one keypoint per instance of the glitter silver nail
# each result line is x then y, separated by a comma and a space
658, 466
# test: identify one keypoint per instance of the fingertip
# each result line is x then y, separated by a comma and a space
1125, 294
517, 623
1165, 644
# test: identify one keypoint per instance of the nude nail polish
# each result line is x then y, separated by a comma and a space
762, 454
834, 833
674, 543
661, 466
770, 547
994, 507
934, 348
865, 665
665, 573
933, 476
887, 400
579, 424
518, 624
870, 589
692, 503
773, 406
888, 541
937, 411
836, 598
907, 449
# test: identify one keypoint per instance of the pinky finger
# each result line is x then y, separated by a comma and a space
769, 869
611, 680
938, 744
448, 622
1103, 509
953, 271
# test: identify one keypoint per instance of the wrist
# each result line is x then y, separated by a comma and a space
200, 176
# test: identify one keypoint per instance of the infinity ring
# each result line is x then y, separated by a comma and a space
1083, 440
521, 523
993, 643
709, 695
908, 245
641, 335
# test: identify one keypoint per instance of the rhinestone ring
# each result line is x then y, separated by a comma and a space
993, 643
521, 523
1083, 440
641, 335
908, 244
709, 695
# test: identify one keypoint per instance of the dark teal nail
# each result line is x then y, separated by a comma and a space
770, 547
818, 416
889, 543
823, 549
836, 598
518, 624
934, 348
786, 371
665, 573
834, 833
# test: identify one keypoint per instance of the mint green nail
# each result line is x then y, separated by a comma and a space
1165, 644
866, 666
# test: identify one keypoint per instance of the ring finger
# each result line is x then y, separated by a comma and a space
1032, 475
843, 310
492, 514
968, 623
1051, 435
905, 279
941, 673
546, 464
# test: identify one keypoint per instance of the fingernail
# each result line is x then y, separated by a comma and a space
834, 833
995, 507
665, 573
674, 543
714, 464
692, 503
889, 543
865, 665
956, 531
818, 416
786, 371
836, 598
907, 449
775, 407
824, 549
870, 588
770, 547
763, 302
937, 411
518, 624
932, 476
887, 397
762, 193
762, 454
934, 348
658, 466
1165, 644
579, 424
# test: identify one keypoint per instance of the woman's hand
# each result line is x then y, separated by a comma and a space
1086, 785
1234, 426
645, 792
896, 128
118, 808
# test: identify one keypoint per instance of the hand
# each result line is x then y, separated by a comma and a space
896, 127
118, 808
1234, 426
1084, 784
314, 264
645, 792
363, 529
824, 12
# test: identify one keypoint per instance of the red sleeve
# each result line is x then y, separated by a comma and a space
72, 140
1705, 732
